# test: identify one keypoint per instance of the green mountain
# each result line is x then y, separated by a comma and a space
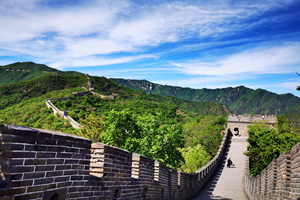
238, 100
22, 71
23, 103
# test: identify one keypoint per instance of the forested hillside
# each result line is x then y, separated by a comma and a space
239, 100
22, 71
155, 126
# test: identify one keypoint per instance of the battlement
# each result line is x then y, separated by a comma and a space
279, 180
240, 123
41, 164
250, 118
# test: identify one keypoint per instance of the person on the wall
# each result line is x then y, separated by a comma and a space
229, 162
236, 133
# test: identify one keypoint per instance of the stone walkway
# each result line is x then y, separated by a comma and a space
228, 183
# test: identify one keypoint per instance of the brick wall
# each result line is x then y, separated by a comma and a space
279, 180
40, 164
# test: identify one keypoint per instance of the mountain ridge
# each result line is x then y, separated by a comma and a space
238, 99
22, 71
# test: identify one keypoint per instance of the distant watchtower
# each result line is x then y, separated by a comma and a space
240, 123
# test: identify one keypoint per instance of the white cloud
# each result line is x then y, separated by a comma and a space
95, 61
103, 27
272, 60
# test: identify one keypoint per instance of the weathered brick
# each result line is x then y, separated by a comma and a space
56, 148
78, 156
70, 172
21, 183
12, 191
34, 175
76, 178
78, 183
64, 184
87, 194
17, 139
18, 154
54, 173
45, 155
72, 189
43, 181
11, 162
63, 167
47, 141
64, 155
78, 167
11, 177
29, 196
62, 179
75, 195
84, 162
52, 161
36, 147
37, 188
18, 169
18, 130
65, 143
10, 146
35, 161
71, 161
83, 189
72, 150
44, 168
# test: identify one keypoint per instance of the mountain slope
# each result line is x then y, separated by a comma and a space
18, 99
22, 71
239, 100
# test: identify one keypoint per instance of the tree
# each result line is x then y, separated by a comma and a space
267, 144
93, 128
144, 135
195, 158
205, 131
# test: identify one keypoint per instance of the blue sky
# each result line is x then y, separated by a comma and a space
196, 44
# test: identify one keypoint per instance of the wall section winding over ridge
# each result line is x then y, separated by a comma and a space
41, 164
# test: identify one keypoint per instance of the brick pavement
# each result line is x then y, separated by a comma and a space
228, 183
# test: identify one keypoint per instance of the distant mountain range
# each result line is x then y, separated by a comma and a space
239, 99
21, 82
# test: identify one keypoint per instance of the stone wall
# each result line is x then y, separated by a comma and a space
279, 180
63, 114
40, 164
241, 122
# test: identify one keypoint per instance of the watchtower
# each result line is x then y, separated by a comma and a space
240, 123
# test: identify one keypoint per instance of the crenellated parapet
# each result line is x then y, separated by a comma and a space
250, 118
279, 180
241, 122
41, 164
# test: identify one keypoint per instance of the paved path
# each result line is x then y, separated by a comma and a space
228, 183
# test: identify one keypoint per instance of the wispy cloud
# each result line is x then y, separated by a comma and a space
271, 60
105, 27
96, 61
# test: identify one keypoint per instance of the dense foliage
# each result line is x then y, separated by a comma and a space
203, 138
34, 113
145, 134
266, 144
15, 93
238, 100
155, 126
